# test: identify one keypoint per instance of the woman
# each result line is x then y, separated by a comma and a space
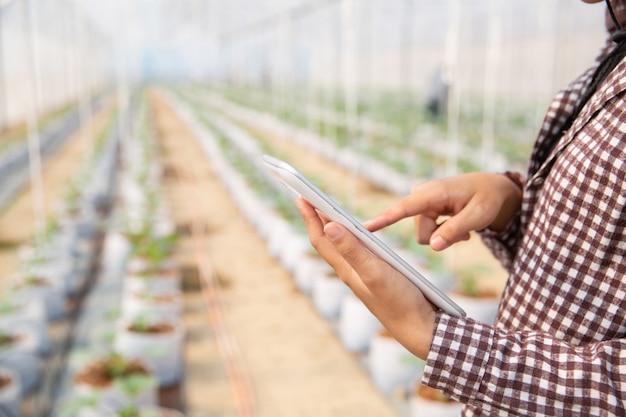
557, 346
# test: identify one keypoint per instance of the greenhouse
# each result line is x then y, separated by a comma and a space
152, 265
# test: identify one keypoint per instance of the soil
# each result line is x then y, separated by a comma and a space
5, 381
155, 328
8, 339
99, 374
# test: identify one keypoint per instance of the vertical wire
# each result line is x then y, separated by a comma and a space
121, 64
490, 80
82, 72
407, 63
452, 57
34, 145
349, 81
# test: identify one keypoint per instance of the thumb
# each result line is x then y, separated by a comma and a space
354, 252
457, 228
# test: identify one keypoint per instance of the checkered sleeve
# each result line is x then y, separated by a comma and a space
498, 372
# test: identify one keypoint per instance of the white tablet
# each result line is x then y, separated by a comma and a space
302, 187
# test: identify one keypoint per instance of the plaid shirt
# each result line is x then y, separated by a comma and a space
557, 346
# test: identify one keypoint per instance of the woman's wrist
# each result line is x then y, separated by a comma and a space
513, 191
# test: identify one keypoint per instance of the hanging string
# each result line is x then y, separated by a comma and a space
82, 73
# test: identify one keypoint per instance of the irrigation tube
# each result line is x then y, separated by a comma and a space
240, 381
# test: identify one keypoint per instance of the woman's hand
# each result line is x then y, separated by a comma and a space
393, 299
473, 201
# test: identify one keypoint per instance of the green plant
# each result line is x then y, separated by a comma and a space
412, 360
7, 306
75, 404
141, 322
133, 411
72, 193
468, 279
6, 338
469, 286
117, 365
133, 385
154, 248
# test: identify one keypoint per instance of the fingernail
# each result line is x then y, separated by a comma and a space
332, 231
437, 243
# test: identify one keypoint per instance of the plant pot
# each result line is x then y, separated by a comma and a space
279, 237
161, 282
152, 268
159, 305
391, 366
159, 344
74, 405
142, 266
309, 266
10, 393
55, 264
356, 324
426, 401
328, 294
20, 356
97, 327
292, 249
95, 378
29, 315
37, 288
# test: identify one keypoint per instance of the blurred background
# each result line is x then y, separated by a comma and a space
487, 55
131, 134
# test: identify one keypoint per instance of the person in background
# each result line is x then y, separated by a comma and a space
558, 344
437, 97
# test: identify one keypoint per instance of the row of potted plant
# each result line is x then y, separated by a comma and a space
129, 346
54, 129
394, 128
54, 270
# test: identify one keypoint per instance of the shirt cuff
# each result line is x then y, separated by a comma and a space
458, 356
